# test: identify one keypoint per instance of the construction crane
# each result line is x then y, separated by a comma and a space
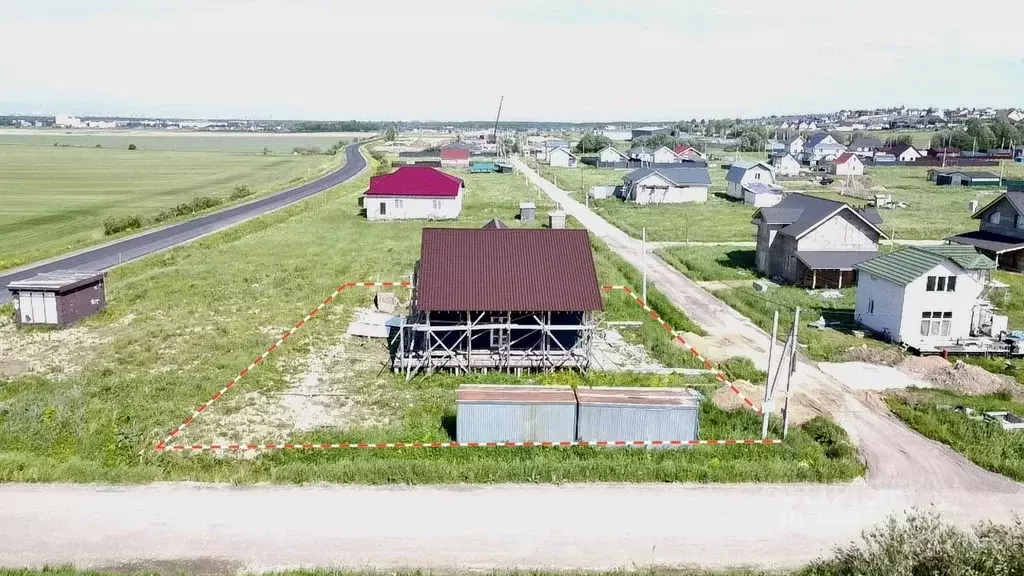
496, 118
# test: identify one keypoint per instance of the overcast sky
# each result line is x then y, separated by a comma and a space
568, 60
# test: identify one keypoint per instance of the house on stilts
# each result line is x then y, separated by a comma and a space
512, 300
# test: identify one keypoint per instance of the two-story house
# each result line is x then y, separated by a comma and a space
924, 296
795, 146
822, 146
1000, 236
744, 172
815, 242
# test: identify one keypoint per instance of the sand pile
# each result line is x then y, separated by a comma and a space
729, 401
886, 356
958, 376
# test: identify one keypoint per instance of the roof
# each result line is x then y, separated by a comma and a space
900, 149
620, 153
833, 260
654, 397
56, 281
515, 394
845, 157
1016, 199
739, 168
415, 181
520, 270
566, 150
683, 176
801, 213
495, 223
453, 153
972, 175
762, 188
816, 138
865, 142
988, 241
792, 140
908, 264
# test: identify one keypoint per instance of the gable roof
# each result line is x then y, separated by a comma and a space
908, 264
845, 157
801, 213
798, 137
738, 169
455, 153
495, 223
1016, 199
682, 176
865, 142
618, 152
817, 138
560, 149
671, 151
415, 181
517, 270
900, 149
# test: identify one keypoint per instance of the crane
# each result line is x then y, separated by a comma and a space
498, 117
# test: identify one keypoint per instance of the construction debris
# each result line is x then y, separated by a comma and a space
369, 324
958, 377
386, 302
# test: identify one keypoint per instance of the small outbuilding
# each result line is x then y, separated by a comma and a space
58, 298
414, 193
492, 413
786, 164
666, 185
561, 157
743, 172
638, 414
527, 211
960, 178
762, 195
611, 155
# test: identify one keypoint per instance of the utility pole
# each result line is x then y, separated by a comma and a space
790, 371
643, 260
768, 405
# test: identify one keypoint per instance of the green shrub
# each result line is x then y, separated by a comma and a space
307, 150
742, 368
241, 191
117, 224
832, 436
132, 146
198, 204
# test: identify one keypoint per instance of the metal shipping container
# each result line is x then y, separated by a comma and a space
57, 298
631, 414
489, 413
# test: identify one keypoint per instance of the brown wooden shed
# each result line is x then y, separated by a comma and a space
57, 298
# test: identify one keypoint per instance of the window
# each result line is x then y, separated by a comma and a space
930, 286
1018, 222
499, 336
940, 284
757, 175
951, 284
398, 202
383, 208
936, 323
871, 306
993, 218
437, 204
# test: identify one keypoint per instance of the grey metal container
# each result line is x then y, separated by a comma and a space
527, 211
633, 414
489, 413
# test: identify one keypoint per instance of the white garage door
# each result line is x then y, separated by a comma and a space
50, 307
38, 307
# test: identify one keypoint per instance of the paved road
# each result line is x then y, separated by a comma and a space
200, 528
897, 457
110, 255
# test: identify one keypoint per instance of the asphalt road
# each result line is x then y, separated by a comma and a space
110, 255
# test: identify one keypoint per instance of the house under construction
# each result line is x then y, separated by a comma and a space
499, 299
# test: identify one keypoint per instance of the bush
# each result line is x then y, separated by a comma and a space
921, 543
117, 224
241, 191
132, 146
742, 368
832, 436
198, 204
307, 150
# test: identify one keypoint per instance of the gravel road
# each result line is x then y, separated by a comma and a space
896, 456
227, 529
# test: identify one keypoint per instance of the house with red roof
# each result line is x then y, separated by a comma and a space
414, 193
846, 164
688, 152
455, 154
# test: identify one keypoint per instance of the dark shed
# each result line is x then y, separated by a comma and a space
57, 298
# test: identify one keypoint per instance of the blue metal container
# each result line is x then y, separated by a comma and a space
638, 414
488, 413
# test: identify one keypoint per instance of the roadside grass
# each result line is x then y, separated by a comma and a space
707, 263
182, 323
176, 141
57, 199
986, 444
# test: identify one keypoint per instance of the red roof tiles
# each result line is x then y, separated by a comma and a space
449, 153
844, 157
515, 270
415, 181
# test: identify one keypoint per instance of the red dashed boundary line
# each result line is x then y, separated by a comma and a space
165, 446
718, 373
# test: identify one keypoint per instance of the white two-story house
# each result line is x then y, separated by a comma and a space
923, 296
744, 172
822, 146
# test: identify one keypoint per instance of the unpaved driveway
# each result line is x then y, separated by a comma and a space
896, 456
229, 529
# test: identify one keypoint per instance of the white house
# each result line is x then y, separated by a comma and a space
924, 296
762, 195
822, 146
847, 164
906, 153
666, 155
1015, 115
796, 146
742, 172
641, 154
561, 157
786, 165
666, 185
414, 193
610, 154
67, 121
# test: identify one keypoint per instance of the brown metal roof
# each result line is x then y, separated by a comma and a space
487, 393
517, 270
639, 396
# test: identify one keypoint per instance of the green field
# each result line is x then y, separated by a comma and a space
175, 141
181, 323
56, 199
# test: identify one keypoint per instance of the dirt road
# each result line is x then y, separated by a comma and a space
896, 456
227, 529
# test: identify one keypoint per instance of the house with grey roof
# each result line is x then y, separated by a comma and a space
822, 146
865, 146
815, 242
927, 297
743, 172
1000, 234
662, 155
666, 185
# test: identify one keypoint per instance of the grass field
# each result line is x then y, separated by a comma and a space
986, 444
56, 199
175, 141
181, 323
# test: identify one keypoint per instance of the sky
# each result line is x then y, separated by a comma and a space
552, 60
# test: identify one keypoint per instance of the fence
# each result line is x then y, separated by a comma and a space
634, 164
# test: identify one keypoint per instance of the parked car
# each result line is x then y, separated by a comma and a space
826, 180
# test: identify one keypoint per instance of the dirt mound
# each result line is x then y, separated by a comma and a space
873, 355
729, 401
957, 377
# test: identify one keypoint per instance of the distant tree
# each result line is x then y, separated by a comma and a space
656, 141
593, 142
854, 135
952, 138
900, 140
1004, 133
752, 140
512, 146
131, 146
390, 134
